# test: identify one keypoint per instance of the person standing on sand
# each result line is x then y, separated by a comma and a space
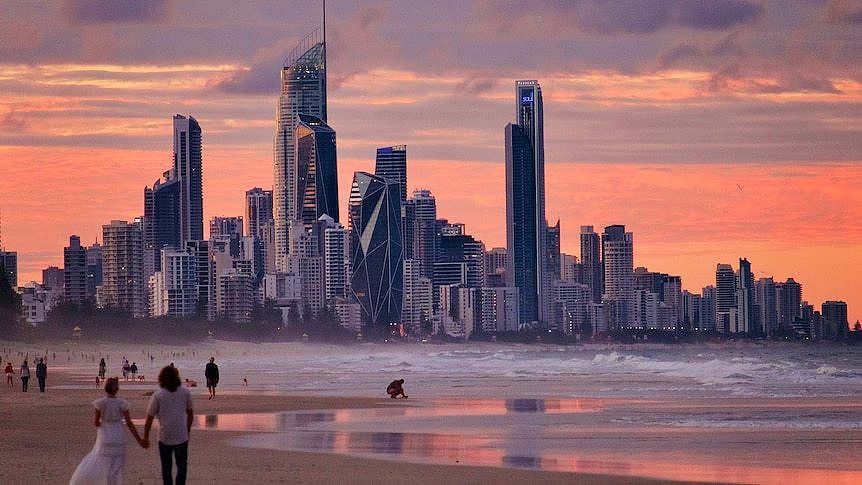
103, 368
41, 374
211, 373
25, 375
172, 403
134, 370
106, 460
10, 372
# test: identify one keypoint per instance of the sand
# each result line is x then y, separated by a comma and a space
45, 435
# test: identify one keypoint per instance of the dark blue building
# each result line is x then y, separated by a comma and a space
376, 251
317, 170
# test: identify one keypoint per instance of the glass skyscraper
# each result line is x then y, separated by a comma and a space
376, 251
525, 203
188, 170
303, 91
317, 170
391, 163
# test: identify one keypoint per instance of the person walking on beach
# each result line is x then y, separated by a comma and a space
126, 369
172, 404
134, 370
396, 388
211, 373
106, 460
41, 374
103, 368
24, 373
10, 372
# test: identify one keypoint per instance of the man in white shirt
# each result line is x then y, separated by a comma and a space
172, 403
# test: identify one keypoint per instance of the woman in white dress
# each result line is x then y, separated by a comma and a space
104, 463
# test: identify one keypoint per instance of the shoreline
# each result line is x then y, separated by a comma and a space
47, 434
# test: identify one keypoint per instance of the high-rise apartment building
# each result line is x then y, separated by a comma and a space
303, 91
764, 298
725, 296
317, 171
591, 261
376, 252
617, 263
391, 164
161, 223
75, 271
173, 290
526, 236
258, 211
123, 285
424, 241
9, 262
226, 226
52, 278
188, 168
745, 315
553, 250
496, 261
835, 324
94, 269
788, 301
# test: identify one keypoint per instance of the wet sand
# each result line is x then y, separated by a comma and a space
45, 435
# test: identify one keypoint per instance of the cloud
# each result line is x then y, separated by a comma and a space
844, 12
477, 85
12, 122
110, 11
607, 18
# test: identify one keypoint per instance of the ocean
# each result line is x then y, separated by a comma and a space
737, 412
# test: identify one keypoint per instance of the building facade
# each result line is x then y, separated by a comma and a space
526, 235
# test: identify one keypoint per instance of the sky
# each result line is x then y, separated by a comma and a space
712, 129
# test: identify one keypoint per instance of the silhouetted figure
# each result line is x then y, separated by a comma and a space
211, 373
41, 374
396, 388
25, 375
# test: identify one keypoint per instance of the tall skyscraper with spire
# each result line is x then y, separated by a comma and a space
303, 91
526, 226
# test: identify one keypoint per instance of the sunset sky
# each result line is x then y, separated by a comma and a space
713, 129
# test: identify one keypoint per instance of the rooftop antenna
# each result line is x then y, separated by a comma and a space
324, 35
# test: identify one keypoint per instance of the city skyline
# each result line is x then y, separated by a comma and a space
713, 156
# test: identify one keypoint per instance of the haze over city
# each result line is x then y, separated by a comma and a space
712, 130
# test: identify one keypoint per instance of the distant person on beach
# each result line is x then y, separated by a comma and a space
396, 388
126, 369
191, 383
108, 456
41, 374
10, 372
103, 368
172, 404
211, 373
25, 375
134, 370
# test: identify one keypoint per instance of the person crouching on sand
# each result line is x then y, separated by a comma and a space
396, 388
106, 460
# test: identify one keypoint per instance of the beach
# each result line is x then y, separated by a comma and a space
477, 413
45, 435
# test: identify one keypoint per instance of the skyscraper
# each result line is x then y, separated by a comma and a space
9, 262
590, 251
75, 271
188, 169
123, 283
392, 164
376, 252
303, 91
258, 211
424, 242
553, 248
317, 171
746, 316
617, 261
525, 203
725, 296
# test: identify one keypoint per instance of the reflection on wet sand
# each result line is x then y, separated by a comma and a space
573, 435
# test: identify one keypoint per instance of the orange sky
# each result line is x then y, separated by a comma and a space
710, 137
